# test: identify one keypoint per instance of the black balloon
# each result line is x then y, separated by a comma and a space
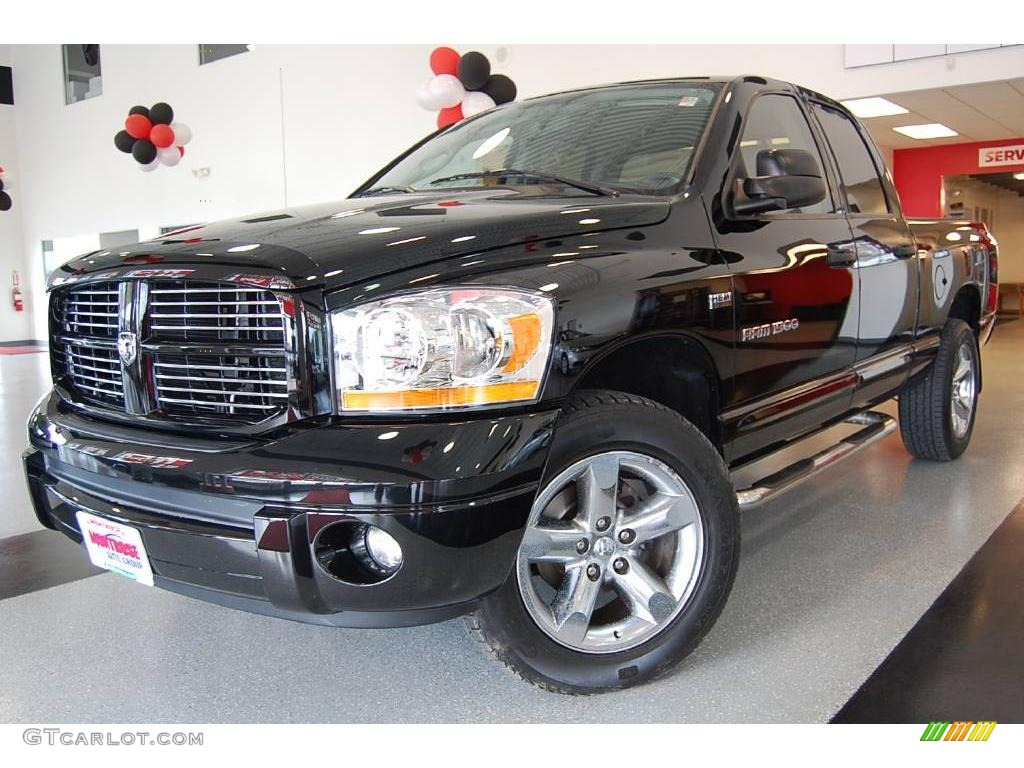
161, 113
474, 69
144, 151
124, 141
1, 185
138, 109
500, 88
5, 201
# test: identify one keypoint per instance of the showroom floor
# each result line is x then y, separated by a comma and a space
833, 577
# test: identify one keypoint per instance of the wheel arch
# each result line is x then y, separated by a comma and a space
966, 306
674, 370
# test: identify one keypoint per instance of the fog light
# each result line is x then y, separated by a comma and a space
377, 550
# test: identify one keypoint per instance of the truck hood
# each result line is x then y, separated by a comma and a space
357, 239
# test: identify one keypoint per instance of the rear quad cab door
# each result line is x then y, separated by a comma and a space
796, 308
887, 261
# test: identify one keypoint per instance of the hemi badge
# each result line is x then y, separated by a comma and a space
719, 300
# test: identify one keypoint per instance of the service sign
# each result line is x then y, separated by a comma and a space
996, 156
116, 547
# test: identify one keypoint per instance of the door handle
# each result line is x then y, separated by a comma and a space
841, 257
905, 251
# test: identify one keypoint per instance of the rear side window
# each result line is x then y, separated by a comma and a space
861, 180
776, 121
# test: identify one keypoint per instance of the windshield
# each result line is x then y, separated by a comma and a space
635, 138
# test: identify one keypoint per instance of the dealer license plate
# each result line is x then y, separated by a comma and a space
116, 547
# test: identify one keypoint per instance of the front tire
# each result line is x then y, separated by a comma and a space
937, 409
629, 553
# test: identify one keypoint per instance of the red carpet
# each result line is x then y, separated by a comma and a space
20, 350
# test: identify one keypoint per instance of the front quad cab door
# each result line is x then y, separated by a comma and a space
886, 257
790, 248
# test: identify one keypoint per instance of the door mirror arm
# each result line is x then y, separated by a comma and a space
788, 178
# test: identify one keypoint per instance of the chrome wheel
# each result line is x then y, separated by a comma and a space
612, 552
964, 390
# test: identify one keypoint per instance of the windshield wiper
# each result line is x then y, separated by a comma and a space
384, 191
594, 189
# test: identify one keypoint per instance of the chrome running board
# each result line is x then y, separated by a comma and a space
874, 426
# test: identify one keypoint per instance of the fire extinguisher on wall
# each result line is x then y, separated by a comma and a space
17, 297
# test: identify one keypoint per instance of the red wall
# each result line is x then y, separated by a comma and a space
918, 172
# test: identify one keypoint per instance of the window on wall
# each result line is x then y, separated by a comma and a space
50, 262
110, 241
82, 78
210, 52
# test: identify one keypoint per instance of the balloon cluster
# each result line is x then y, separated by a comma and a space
462, 86
5, 199
152, 137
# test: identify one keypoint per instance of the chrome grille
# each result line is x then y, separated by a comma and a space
236, 385
91, 311
95, 371
207, 351
184, 311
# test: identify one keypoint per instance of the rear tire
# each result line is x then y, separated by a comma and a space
657, 583
938, 407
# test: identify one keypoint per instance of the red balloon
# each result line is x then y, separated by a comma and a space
445, 61
138, 126
161, 135
448, 116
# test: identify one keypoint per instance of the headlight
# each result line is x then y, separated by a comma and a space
440, 349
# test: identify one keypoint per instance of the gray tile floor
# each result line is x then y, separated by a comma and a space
832, 576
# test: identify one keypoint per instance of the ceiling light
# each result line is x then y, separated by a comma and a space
1019, 176
875, 106
926, 131
378, 230
243, 248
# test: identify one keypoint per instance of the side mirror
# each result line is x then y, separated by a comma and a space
786, 178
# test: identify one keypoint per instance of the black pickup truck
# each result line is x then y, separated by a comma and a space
513, 374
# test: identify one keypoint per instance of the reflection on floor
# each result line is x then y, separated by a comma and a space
832, 578
40, 560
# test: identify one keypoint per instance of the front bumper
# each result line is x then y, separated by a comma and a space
234, 522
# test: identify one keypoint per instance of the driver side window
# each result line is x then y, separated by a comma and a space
776, 121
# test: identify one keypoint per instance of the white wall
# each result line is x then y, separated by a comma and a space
324, 118
13, 325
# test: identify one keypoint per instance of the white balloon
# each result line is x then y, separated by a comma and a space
182, 134
476, 102
151, 166
427, 99
447, 90
169, 155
